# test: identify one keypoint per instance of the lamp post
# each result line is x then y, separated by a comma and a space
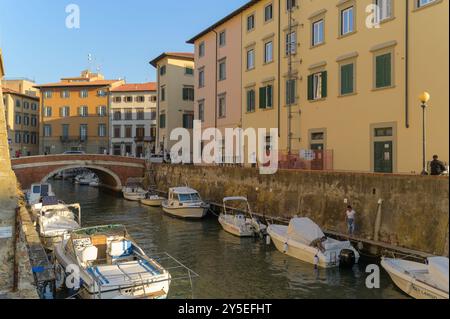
424, 98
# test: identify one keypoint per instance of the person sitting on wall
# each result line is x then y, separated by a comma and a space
350, 217
437, 167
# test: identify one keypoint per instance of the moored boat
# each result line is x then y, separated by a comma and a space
37, 192
238, 224
111, 265
418, 280
134, 190
303, 239
153, 200
185, 202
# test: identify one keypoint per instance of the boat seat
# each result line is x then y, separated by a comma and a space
120, 249
87, 254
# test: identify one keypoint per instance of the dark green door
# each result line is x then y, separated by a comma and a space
384, 161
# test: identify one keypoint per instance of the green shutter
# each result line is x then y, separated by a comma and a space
387, 70
262, 98
311, 87
347, 79
269, 90
383, 70
324, 84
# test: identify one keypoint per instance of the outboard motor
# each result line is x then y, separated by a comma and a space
347, 258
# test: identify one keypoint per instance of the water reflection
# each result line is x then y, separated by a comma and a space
229, 267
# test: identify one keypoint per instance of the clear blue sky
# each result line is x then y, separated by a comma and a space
122, 36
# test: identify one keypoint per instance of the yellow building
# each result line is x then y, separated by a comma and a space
22, 121
75, 114
175, 107
353, 86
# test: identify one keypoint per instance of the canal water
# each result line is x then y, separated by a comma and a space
228, 267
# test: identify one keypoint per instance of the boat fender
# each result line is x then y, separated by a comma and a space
286, 247
268, 239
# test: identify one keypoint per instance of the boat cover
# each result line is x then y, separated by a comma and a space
438, 269
304, 230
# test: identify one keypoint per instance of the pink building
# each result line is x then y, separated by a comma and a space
218, 84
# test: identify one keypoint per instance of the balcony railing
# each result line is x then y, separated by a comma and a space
73, 139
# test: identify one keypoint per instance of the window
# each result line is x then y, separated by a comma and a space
291, 92
128, 115
101, 111
291, 43
250, 59
65, 131
101, 92
102, 130
26, 137
201, 111
140, 114
153, 98
266, 97
153, 115
347, 78
250, 22
268, 13
347, 21
201, 49
117, 115
128, 131
222, 70
117, 99
48, 94
83, 111
188, 94
18, 118
17, 137
188, 70
268, 52
26, 119
222, 112
291, 4
140, 99
251, 100
383, 70
384, 132
33, 120
421, 3
34, 106
128, 99
162, 70
318, 33
47, 111
188, 121
222, 38
18, 104
64, 111
140, 132
162, 121
65, 94
33, 138
26, 105
83, 132
84, 94
317, 86
47, 130
201, 78
117, 131
163, 93
384, 11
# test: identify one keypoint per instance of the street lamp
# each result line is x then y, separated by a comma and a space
424, 98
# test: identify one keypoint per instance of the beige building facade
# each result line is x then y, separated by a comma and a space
175, 106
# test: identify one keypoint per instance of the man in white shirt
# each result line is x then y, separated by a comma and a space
350, 217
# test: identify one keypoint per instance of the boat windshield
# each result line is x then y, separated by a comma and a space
189, 197
37, 189
45, 190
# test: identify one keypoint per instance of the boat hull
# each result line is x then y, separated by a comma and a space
134, 197
412, 287
186, 212
235, 230
153, 202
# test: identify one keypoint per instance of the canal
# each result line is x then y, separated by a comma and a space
229, 267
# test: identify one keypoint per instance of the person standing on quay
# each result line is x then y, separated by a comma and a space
437, 167
350, 217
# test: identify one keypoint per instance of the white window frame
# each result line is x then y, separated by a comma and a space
268, 52
317, 86
318, 32
347, 20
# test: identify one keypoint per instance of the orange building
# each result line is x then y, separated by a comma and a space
74, 114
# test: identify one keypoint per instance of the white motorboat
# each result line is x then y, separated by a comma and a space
86, 179
185, 202
56, 220
238, 224
134, 190
37, 192
153, 200
420, 281
111, 265
303, 239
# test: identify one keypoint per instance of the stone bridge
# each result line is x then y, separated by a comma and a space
113, 171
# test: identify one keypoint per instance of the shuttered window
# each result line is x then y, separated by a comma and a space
162, 121
383, 70
317, 86
347, 79
251, 101
290, 92
266, 97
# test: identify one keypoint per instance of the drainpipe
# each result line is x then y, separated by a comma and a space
279, 68
216, 79
378, 220
407, 124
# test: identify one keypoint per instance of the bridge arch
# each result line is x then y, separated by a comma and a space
107, 177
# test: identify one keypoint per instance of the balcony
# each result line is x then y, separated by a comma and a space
144, 139
73, 139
